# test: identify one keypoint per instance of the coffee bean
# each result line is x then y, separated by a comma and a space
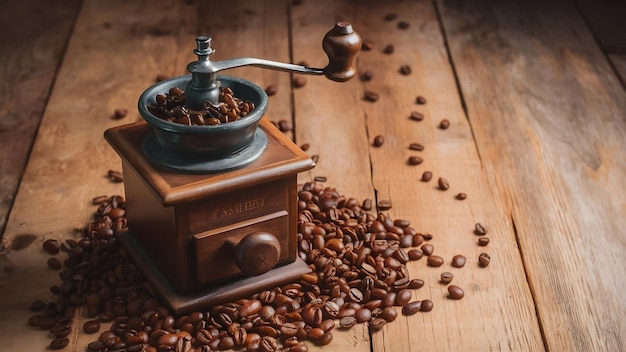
367, 75
444, 124
443, 184
377, 324
446, 277
320, 179
411, 308
37, 306
427, 249
415, 160
55, 263
420, 100
403, 297
51, 246
483, 241
299, 82
405, 70
378, 141
60, 331
415, 284
284, 125
435, 260
480, 229
427, 305
458, 261
59, 343
461, 196
384, 204
347, 322
388, 49
391, 16
362, 315
272, 89
455, 292
371, 96
403, 24
91, 326
416, 116
120, 113
367, 45
416, 146
367, 204
427, 176
484, 259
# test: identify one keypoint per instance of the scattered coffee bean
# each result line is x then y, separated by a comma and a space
427, 305
420, 100
51, 246
391, 16
427, 176
284, 125
411, 308
59, 343
389, 49
403, 24
416, 146
367, 75
405, 70
60, 331
384, 204
377, 324
415, 254
417, 116
435, 261
427, 236
483, 241
458, 261
443, 184
455, 292
299, 82
480, 229
461, 196
378, 141
320, 179
446, 277
305, 147
415, 160
272, 89
484, 259
415, 284
115, 176
347, 322
54, 263
91, 326
444, 124
367, 204
367, 45
371, 96
120, 113
428, 249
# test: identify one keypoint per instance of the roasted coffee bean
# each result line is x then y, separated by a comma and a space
435, 261
427, 305
367, 204
484, 259
411, 308
458, 261
427, 176
416, 116
299, 81
120, 113
455, 292
405, 70
371, 96
377, 324
305, 146
480, 229
443, 184
420, 100
403, 25
444, 124
415, 284
300, 347
161, 77
367, 75
347, 322
483, 241
461, 196
391, 16
427, 249
59, 343
60, 331
403, 297
384, 204
284, 125
54, 263
51, 246
389, 48
416, 146
362, 315
91, 326
272, 89
37, 306
415, 160
378, 141
227, 343
446, 277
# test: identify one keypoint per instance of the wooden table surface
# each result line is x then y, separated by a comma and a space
537, 113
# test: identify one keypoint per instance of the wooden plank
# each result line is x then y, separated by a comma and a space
547, 114
38, 32
605, 18
619, 63
497, 312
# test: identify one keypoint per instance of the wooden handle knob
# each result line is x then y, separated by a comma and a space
341, 44
257, 253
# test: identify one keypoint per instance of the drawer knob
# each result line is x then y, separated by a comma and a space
257, 253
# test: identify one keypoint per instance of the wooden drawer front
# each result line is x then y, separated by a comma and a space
215, 252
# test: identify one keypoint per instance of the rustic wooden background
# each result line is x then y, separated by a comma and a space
534, 92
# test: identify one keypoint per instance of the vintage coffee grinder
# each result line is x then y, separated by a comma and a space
212, 209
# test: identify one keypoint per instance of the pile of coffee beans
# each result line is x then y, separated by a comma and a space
171, 107
359, 275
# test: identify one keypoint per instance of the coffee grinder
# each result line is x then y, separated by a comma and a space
212, 210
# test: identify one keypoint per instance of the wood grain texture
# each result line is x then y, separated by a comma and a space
37, 34
548, 118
